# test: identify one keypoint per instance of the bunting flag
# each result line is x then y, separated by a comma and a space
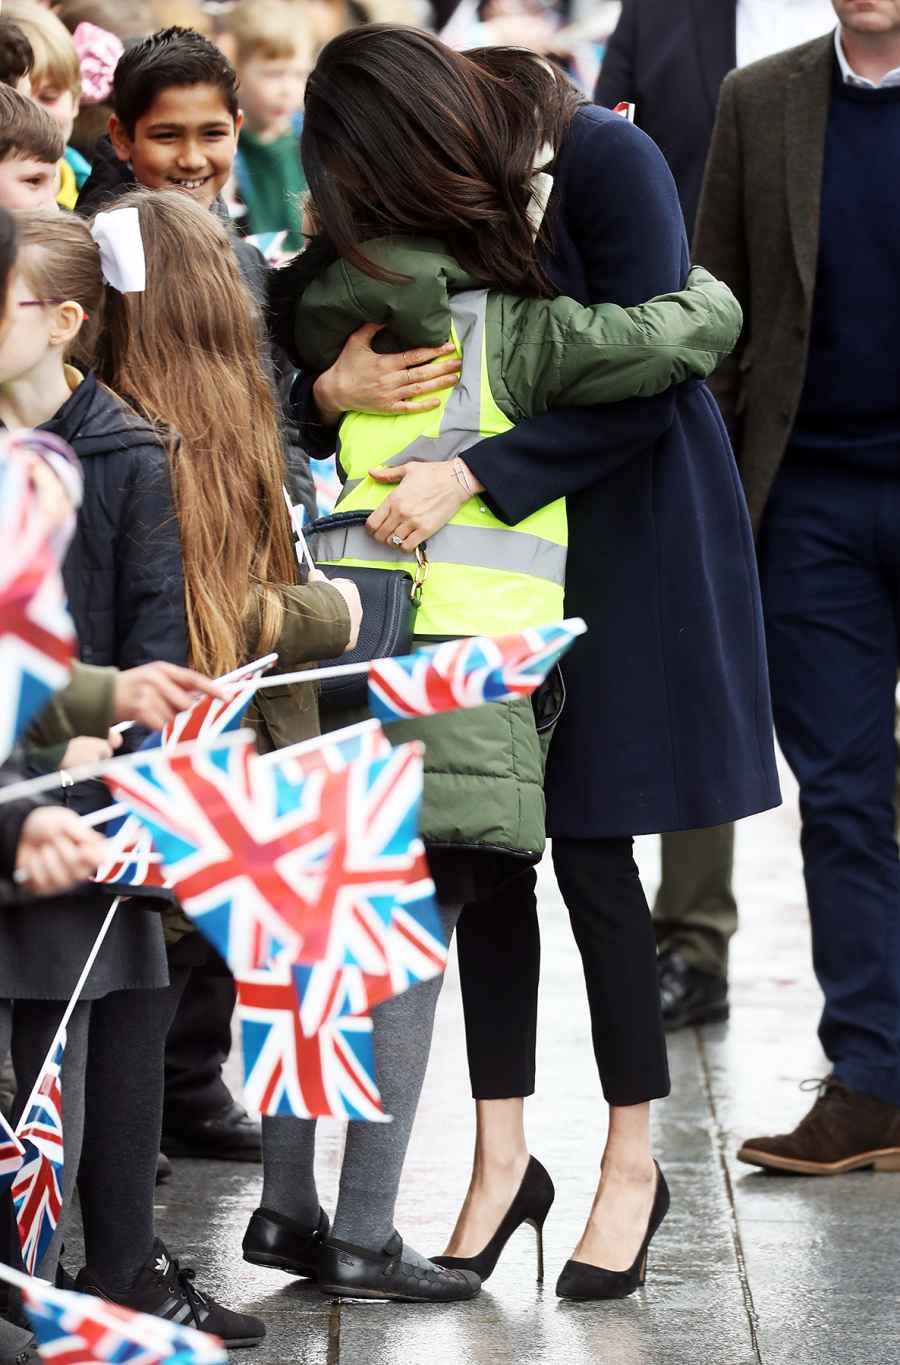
130, 862
471, 672
330, 1074
36, 1188
239, 857
309, 865
80, 1329
37, 637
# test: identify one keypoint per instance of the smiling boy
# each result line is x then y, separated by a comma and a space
175, 125
175, 122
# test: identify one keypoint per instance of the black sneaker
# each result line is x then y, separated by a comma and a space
689, 996
166, 1290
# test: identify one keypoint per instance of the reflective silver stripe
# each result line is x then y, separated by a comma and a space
460, 427
479, 547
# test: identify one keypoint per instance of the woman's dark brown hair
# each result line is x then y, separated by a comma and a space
402, 135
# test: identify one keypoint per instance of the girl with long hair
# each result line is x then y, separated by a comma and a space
667, 723
184, 351
150, 575
123, 583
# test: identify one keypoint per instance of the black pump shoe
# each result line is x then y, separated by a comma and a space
351, 1272
584, 1282
279, 1242
532, 1203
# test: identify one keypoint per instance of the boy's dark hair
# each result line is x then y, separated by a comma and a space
27, 130
16, 53
172, 57
8, 253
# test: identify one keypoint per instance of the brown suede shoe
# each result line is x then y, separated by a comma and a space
843, 1131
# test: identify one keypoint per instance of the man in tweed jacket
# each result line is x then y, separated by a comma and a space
800, 214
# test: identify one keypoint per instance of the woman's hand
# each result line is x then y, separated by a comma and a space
428, 496
350, 593
361, 380
57, 850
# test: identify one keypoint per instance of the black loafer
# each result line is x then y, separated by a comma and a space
229, 1135
689, 996
351, 1272
281, 1243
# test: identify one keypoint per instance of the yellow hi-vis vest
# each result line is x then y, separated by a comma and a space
484, 577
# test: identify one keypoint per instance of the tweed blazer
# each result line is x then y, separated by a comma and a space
758, 229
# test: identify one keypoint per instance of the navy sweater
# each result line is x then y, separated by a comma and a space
850, 407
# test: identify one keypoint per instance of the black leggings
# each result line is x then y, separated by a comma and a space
499, 959
122, 1128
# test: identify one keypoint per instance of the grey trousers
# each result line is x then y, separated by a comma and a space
695, 911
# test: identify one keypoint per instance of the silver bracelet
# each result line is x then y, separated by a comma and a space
462, 478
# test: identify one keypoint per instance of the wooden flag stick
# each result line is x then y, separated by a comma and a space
50, 781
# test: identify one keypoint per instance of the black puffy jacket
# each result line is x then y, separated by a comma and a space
111, 178
123, 572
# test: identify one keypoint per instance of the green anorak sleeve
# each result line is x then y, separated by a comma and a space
557, 353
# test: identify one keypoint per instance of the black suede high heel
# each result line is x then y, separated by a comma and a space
532, 1203
583, 1282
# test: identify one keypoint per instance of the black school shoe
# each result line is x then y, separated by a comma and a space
229, 1135
166, 1290
351, 1272
278, 1242
689, 996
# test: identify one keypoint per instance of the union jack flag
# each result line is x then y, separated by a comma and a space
470, 672
79, 1329
315, 860
36, 1191
10, 1153
328, 1075
131, 862
415, 951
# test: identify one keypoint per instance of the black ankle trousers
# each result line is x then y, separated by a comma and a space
499, 959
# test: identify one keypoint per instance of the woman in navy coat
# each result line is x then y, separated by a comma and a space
667, 725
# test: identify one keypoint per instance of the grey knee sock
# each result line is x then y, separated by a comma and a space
289, 1177
375, 1152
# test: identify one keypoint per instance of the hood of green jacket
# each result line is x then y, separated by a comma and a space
414, 311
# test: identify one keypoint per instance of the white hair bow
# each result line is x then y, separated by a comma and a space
118, 235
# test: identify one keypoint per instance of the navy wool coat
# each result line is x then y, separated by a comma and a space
668, 720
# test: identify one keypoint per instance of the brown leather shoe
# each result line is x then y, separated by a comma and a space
843, 1131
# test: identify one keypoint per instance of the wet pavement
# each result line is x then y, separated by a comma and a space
748, 1268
